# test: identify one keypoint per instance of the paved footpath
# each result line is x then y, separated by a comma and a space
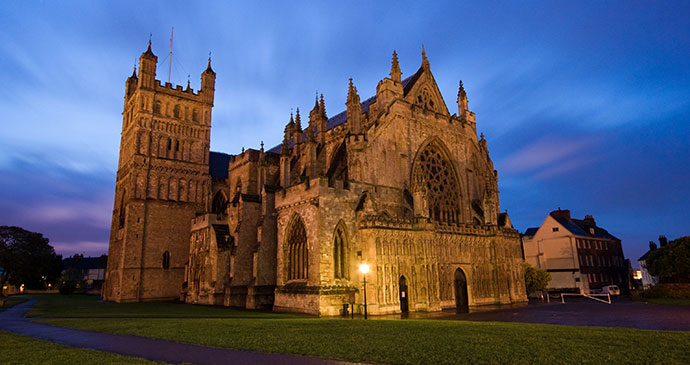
579, 312
14, 320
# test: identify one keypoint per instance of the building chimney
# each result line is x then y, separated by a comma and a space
663, 241
590, 220
561, 213
652, 246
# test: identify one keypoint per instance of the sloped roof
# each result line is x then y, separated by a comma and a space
644, 257
531, 231
580, 227
341, 117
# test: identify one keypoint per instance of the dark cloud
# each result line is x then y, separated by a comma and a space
583, 107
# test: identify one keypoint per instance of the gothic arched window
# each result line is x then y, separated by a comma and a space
442, 190
297, 250
425, 100
340, 254
166, 260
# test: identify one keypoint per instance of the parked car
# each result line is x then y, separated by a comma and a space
608, 289
611, 290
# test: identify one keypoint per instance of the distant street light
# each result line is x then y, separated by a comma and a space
364, 269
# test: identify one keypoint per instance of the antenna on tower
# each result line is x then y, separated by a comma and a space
170, 60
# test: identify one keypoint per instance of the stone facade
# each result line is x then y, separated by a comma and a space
162, 183
395, 182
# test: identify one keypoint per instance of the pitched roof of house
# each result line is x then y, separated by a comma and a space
531, 231
644, 257
581, 227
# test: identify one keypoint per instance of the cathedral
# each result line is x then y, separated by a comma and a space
395, 182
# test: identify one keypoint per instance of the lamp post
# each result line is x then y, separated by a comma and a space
364, 269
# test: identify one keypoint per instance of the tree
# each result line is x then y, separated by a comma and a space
671, 263
27, 258
535, 279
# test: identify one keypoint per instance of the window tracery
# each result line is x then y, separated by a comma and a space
442, 190
425, 100
296, 239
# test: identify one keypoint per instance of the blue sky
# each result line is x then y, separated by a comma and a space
585, 105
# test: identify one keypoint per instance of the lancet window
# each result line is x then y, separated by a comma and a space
442, 190
166, 260
298, 259
340, 254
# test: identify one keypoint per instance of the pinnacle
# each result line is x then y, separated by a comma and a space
425, 61
298, 121
322, 106
461, 90
395, 68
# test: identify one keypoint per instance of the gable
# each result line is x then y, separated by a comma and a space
423, 91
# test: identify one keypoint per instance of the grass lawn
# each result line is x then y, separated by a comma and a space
89, 306
386, 341
12, 300
18, 349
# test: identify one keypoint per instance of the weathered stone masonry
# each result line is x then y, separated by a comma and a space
395, 181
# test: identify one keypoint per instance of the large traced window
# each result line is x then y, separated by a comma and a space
297, 250
425, 100
340, 254
442, 190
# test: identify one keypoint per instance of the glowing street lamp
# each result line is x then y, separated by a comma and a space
364, 269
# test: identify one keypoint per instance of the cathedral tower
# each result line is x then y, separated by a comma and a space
162, 183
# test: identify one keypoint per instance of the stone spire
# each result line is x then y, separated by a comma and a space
425, 62
395, 69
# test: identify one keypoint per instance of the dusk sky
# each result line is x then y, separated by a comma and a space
585, 104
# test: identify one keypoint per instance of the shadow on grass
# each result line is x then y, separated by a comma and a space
90, 306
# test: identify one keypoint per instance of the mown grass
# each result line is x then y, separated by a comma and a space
11, 301
89, 306
18, 349
411, 341
385, 341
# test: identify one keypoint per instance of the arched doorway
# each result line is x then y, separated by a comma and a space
461, 302
404, 296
